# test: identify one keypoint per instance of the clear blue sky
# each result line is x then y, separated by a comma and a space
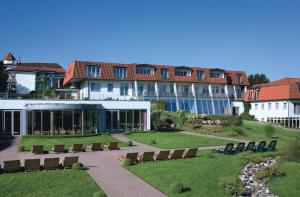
255, 36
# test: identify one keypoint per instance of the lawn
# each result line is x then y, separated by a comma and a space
174, 139
287, 185
48, 143
255, 131
50, 183
202, 176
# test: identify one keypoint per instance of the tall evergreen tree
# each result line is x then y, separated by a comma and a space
255, 79
3, 77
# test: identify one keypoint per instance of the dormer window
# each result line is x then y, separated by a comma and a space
120, 72
216, 74
200, 75
239, 78
250, 95
164, 73
183, 72
92, 71
144, 70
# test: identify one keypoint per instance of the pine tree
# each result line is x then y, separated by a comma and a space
3, 77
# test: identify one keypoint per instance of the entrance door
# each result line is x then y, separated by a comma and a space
12, 123
112, 121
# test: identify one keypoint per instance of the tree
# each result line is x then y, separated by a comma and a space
3, 77
257, 78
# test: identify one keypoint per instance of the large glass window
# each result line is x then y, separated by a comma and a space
92, 71
123, 120
136, 119
46, 121
37, 121
110, 87
68, 120
129, 120
151, 89
124, 89
77, 121
90, 121
179, 72
57, 121
7, 122
120, 72
95, 87
141, 89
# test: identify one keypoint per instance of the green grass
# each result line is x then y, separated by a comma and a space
287, 185
255, 131
202, 176
48, 143
174, 139
50, 183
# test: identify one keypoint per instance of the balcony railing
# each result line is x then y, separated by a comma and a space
202, 95
219, 95
34, 96
185, 94
166, 94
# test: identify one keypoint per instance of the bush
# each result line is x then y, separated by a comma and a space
270, 172
99, 194
233, 185
157, 105
237, 121
181, 113
127, 132
179, 122
176, 187
127, 162
238, 131
21, 148
293, 151
156, 119
227, 119
76, 166
247, 116
269, 130
152, 142
209, 155
129, 143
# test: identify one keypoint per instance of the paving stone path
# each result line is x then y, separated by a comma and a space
103, 166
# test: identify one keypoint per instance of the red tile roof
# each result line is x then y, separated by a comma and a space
48, 67
283, 89
9, 57
76, 71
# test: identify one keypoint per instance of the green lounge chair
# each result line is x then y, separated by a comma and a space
176, 154
261, 147
227, 150
239, 148
272, 146
146, 156
250, 146
190, 153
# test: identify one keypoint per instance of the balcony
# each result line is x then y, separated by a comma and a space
219, 95
202, 95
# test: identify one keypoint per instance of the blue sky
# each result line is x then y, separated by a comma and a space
255, 36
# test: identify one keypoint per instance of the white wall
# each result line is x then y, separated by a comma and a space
262, 114
85, 90
25, 82
240, 105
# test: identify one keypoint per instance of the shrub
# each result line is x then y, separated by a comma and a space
127, 162
238, 131
173, 117
293, 150
251, 157
99, 194
237, 121
233, 185
21, 148
176, 187
129, 143
157, 105
152, 142
246, 116
209, 155
181, 113
76, 166
269, 130
156, 119
127, 132
270, 172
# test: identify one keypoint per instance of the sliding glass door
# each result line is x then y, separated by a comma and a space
12, 123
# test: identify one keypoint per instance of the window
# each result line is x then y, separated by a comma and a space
276, 105
215, 90
164, 73
217, 75
297, 108
250, 95
124, 89
239, 78
95, 87
92, 71
110, 87
171, 89
200, 75
257, 95
185, 89
256, 106
284, 105
180, 72
151, 89
120, 73
269, 105
140, 89
162, 89
262, 106
145, 71
222, 90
